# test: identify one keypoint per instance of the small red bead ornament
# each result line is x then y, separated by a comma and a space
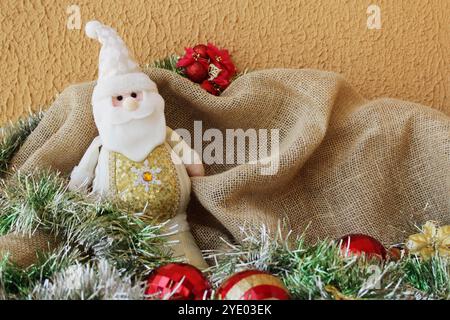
252, 285
394, 253
177, 281
358, 244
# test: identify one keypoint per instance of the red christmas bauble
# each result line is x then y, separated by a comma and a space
252, 285
177, 281
201, 50
361, 243
197, 72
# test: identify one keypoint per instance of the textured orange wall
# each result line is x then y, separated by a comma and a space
408, 58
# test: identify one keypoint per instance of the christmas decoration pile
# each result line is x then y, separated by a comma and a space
127, 259
182, 281
208, 65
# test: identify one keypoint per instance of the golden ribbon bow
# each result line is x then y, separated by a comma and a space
433, 240
337, 295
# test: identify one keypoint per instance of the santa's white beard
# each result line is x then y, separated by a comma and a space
136, 138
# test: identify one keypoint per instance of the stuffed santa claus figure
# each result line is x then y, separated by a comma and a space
136, 159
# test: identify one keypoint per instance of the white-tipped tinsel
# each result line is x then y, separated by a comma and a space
100, 281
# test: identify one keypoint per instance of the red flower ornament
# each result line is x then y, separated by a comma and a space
209, 86
221, 58
208, 65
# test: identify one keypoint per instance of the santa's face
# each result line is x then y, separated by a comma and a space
131, 123
128, 106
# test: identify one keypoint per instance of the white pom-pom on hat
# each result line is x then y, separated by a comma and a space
92, 28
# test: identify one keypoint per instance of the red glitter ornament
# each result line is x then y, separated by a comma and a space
177, 281
196, 72
361, 243
201, 50
252, 285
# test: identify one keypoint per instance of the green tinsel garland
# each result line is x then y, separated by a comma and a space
13, 136
91, 231
106, 252
310, 271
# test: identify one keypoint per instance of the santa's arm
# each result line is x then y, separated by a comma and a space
188, 156
83, 174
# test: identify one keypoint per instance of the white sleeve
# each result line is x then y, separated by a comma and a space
83, 174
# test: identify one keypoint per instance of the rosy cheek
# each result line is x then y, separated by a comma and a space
116, 102
139, 96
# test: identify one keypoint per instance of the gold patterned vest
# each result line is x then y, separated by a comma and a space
152, 184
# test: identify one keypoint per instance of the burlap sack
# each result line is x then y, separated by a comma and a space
346, 164
24, 250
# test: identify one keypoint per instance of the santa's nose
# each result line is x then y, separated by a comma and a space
130, 104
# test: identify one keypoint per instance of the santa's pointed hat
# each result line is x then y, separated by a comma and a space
118, 73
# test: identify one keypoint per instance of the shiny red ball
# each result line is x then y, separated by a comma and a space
358, 244
197, 72
201, 50
252, 285
177, 281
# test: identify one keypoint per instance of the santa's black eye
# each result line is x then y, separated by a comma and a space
119, 98
133, 95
